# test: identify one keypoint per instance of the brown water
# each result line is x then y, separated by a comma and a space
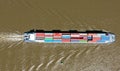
18, 16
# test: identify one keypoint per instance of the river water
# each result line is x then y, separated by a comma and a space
19, 16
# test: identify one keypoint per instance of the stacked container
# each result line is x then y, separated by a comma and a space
40, 37
48, 37
66, 37
96, 37
57, 37
75, 37
83, 37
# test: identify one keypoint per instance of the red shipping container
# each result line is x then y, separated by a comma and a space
96, 38
40, 34
85, 37
75, 35
57, 34
65, 40
48, 35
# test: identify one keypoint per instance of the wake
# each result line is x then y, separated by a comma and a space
10, 37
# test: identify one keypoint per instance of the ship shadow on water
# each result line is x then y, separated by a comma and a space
69, 31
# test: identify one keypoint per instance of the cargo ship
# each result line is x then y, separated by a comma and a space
71, 36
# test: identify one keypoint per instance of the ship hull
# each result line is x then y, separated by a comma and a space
69, 37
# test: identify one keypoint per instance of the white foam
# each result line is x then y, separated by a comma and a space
8, 37
39, 66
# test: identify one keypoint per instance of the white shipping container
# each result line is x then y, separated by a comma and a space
40, 40
75, 35
48, 33
83, 34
